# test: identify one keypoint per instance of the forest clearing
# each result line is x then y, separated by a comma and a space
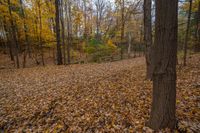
106, 97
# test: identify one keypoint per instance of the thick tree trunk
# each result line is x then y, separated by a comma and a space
186, 35
59, 53
148, 37
164, 74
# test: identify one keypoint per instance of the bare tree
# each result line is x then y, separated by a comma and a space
164, 75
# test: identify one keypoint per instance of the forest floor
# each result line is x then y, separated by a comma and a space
106, 97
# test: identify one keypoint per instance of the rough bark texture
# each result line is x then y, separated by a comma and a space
148, 37
59, 53
164, 74
186, 35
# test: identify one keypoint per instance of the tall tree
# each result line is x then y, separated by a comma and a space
69, 29
8, 40
129, 43
14, 35
100, 5
164, 74
148, 37
122, 26
85, 18
187, 34
27, 49
59, 53
63, 30
40, 33
197, 44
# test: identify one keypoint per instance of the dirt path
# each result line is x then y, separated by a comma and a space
112, 97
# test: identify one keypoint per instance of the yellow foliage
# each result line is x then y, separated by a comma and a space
111, 44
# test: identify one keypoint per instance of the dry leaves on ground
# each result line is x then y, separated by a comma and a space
107, 97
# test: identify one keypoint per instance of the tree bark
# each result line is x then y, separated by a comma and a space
69, 29
27, 49
186, 35
40, 34
14, 36
100, 5
63, 32
9, 42
59, 53
148, 37
197, 45
85, 19
164, 75
122, 27
129, 44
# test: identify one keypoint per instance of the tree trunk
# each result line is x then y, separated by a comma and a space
98, 26
164, 75
27, 49
68, 9
197, 45
122, 27
40, 36
59, 53
14, 36
148, 37
100, 5
186, 35
9, 42
85, 18
63, 32
129, 44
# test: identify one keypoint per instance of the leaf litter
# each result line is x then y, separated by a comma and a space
107, 97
